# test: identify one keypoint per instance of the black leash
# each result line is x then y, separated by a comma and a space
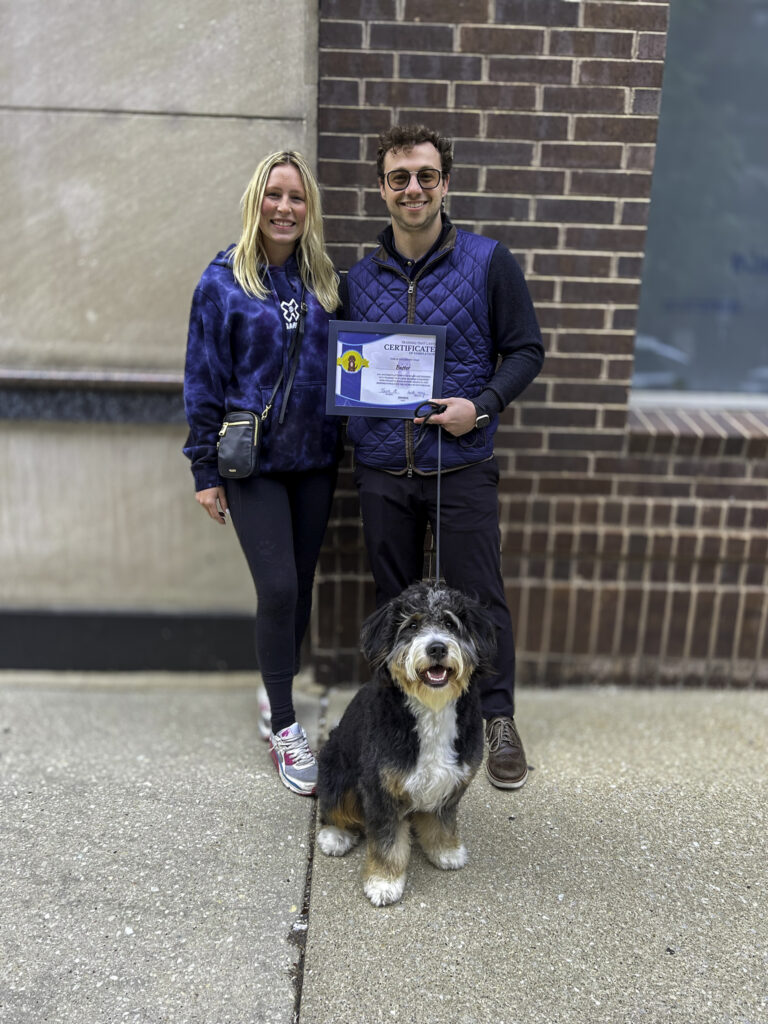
435, 408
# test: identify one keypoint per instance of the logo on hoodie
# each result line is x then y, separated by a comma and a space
290, 314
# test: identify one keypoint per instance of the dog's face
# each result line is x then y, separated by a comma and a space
432, 641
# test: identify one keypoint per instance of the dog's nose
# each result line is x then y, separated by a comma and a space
437, 650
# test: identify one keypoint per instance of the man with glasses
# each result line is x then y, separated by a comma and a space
428, 271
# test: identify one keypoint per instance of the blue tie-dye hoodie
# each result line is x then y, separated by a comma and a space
236, 348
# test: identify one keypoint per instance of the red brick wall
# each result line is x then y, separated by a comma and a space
634, 542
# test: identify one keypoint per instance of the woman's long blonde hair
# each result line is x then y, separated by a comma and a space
249, 257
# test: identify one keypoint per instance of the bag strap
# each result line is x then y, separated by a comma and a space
297, 340
292, 353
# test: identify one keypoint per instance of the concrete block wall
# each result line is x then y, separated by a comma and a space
633, 541
128, 133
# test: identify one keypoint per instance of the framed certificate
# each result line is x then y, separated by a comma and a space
383, 369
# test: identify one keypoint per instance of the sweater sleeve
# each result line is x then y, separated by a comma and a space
515, 331
207, 371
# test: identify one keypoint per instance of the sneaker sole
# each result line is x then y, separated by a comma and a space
264, 730
500, 784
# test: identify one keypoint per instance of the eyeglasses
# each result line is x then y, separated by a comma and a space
427, 177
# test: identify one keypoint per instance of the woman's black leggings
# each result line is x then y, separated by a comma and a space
280, 520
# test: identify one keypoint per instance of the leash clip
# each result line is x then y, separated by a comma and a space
435, 408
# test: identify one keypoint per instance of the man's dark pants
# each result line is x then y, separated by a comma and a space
396, 510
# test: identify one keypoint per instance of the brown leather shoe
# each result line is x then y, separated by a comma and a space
507, 767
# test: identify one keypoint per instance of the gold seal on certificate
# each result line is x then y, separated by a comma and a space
383, 369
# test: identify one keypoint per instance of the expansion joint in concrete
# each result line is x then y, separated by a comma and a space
300, 927
128, 112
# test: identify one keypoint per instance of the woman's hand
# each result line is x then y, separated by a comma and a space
214, 501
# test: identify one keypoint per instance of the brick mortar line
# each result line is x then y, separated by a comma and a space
620, 606
712, 644
693, 589
762, 630
642, 620
570, 629
600, 554
741, 606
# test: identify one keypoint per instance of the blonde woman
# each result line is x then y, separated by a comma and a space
245, 313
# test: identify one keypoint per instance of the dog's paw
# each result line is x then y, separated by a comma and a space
450, 860
383, 891
335, 842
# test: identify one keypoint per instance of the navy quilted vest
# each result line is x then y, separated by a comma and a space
452, 290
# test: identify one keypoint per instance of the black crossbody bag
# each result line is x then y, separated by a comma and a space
239, 444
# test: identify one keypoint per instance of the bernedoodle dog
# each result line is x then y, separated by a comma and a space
411, 739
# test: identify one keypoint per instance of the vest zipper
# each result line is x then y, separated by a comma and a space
410, 313
410, 454
410, 451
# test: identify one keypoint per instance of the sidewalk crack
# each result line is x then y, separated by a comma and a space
300, 927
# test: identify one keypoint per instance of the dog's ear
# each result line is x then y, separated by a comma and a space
483, 632
375, 635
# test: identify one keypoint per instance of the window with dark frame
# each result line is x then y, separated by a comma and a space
703, 316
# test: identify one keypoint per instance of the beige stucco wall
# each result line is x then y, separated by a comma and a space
111, 525
128, 132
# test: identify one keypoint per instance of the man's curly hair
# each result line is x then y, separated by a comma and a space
406, 136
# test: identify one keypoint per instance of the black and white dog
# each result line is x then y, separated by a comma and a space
411, 739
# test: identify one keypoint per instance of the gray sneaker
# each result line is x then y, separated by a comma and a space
295, 762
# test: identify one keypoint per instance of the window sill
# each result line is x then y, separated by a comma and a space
691, 425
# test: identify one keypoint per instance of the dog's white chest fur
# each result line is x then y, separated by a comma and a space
437, 773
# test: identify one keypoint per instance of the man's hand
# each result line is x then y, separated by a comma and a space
214, 501
459, 417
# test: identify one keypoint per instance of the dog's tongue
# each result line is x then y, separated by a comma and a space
438, 674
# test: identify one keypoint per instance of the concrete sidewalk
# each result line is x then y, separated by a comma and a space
152, 869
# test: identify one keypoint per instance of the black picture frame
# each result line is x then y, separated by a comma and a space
406, 372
